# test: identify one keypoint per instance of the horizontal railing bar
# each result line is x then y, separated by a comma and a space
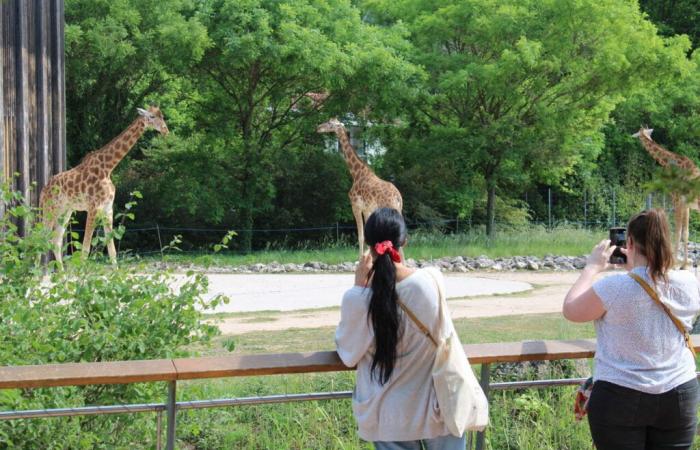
263, 400
242, 401
536, 383
82, 411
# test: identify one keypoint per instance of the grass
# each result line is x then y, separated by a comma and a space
532, 241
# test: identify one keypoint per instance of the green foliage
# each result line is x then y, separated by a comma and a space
88, 313
523, 87
121, 54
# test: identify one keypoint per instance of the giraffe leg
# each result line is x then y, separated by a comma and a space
357, 212
108, 230
89, 229
59, 230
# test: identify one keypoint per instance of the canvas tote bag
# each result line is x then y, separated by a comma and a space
462, 402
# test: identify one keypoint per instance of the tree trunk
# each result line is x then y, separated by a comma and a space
247, 232
490, 206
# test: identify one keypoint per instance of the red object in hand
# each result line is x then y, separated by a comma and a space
583, 393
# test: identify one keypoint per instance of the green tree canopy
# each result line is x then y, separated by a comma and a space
523, 87
265, 55
121, 54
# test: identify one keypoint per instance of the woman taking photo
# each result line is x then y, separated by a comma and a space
645, 391
394, 399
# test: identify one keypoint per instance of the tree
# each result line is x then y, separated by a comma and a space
121, 54
525, 86
675, 17
265, 55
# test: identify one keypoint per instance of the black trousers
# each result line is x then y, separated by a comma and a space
626, 419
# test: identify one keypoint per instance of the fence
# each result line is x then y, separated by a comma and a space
174, 370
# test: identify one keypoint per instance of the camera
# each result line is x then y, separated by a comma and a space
618, 238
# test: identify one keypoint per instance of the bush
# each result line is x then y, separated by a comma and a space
87, 313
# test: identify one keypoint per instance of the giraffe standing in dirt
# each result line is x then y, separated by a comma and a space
88, 186
368, 191
681, 207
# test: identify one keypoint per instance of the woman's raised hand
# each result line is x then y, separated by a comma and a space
597, 261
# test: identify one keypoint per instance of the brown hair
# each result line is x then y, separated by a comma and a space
650, 232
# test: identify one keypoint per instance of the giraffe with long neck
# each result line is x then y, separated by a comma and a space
681, 206
368, 191
88, 186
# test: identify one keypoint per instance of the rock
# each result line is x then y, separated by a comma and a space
532, 265
484, 263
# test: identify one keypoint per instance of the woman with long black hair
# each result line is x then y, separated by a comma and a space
394, 399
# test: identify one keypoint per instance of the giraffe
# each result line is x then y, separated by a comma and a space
317, 100
368, 191
88, 187
681, 207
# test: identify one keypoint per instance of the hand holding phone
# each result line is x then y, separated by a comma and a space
618, 238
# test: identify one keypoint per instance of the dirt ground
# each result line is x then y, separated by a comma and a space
546, 296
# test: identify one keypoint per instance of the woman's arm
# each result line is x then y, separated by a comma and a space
582, 304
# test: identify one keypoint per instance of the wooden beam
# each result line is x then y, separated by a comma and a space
22, 98
77, 374
249, 365
58, 97
120, 372
3, 150
43, 124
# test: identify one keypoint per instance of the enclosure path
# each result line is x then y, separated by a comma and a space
519, 293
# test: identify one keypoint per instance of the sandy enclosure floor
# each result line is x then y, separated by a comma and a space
529, 293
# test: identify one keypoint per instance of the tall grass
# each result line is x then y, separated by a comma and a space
530, 241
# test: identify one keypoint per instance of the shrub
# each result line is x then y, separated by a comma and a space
87, 313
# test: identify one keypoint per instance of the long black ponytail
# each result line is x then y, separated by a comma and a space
385, 224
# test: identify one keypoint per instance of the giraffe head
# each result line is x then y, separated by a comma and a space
331, 126
643, 131
154, 119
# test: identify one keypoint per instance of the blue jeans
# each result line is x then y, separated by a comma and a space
448, 442
626, 419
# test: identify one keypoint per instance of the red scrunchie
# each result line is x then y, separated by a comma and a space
387, 246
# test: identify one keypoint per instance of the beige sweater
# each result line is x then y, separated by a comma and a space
405, 408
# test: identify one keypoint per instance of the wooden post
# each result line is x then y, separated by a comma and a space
22, 113
3, 150
172, 409
484, 381
43, 169
58, 97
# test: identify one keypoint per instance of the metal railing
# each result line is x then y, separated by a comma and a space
171, 371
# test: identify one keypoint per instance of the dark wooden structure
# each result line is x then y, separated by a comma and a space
32, 99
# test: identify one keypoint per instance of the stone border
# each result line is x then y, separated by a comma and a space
458, 264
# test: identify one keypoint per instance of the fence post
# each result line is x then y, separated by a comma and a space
484, 381
159, 430
549, 206
171, 408
160, 242
614, 212
337, 232
585, 209
649, 201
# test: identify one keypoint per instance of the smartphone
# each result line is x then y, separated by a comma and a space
618, 237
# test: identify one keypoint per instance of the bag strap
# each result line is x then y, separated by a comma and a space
654, 296
420, 324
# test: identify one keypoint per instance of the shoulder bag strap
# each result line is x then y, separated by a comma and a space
418, 323
654, 296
